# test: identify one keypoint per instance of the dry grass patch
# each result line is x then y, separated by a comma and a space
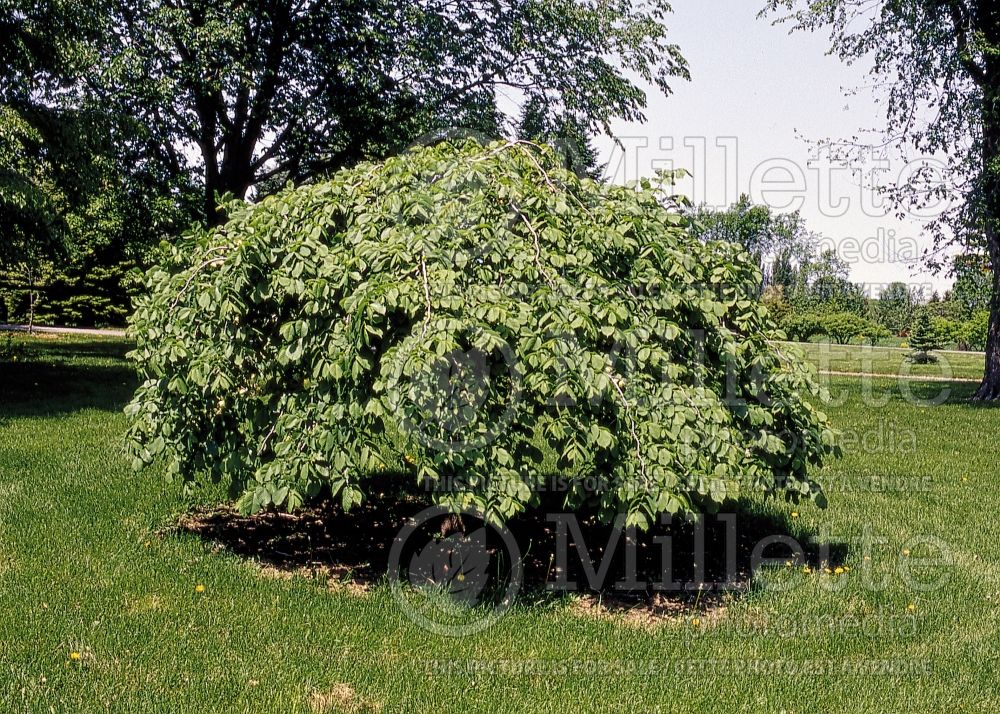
342, 697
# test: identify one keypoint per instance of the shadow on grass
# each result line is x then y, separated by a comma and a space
934, 392
47, 377
930, 393
353, 548
958, 393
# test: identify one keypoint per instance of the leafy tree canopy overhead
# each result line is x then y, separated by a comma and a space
43, 45
45, 154
482, 307
81, 199
254, 94
971, 290
933, 62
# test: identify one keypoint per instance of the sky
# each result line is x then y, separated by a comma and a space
747, 121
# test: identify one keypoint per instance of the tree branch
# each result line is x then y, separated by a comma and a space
960, 19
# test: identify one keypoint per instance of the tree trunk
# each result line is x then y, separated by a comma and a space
209, 125
989, 390
211, 210
31, 300
232, 177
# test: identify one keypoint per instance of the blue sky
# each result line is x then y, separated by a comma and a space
757, 96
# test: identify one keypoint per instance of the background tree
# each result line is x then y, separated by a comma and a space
773, 297
779, 242
41, 171
824, 287
971, 291
802, 327
568, 135
785, 271
939, 63
974, 331
252, 94
923, 339
842, 327
48, 150
33, 200
81, 201
895, 306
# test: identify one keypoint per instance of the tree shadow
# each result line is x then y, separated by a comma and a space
709, 560
964, 393
935, 393
49, 377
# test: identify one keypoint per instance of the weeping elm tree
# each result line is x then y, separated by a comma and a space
467, 313
940, 63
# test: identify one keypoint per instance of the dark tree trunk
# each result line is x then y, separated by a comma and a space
31, 300
989, 390
233, 176
211, 211
212, 188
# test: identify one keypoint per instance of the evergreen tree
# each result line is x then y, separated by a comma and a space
568, 134
783, 272
923, 339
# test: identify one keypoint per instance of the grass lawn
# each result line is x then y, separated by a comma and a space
82, 569
890, 360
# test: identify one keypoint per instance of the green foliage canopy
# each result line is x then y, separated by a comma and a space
776, 240
467, 310
260, 93
895, 307
841, 327
970, 292
975, 331
846, 326
78, 208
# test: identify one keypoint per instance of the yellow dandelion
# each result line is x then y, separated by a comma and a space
460, 577
788, 563
906, 551
795, 514
806, 569
74, 656
839, 571
695, 621
199, 588
827, 571
911, 607
965, 479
